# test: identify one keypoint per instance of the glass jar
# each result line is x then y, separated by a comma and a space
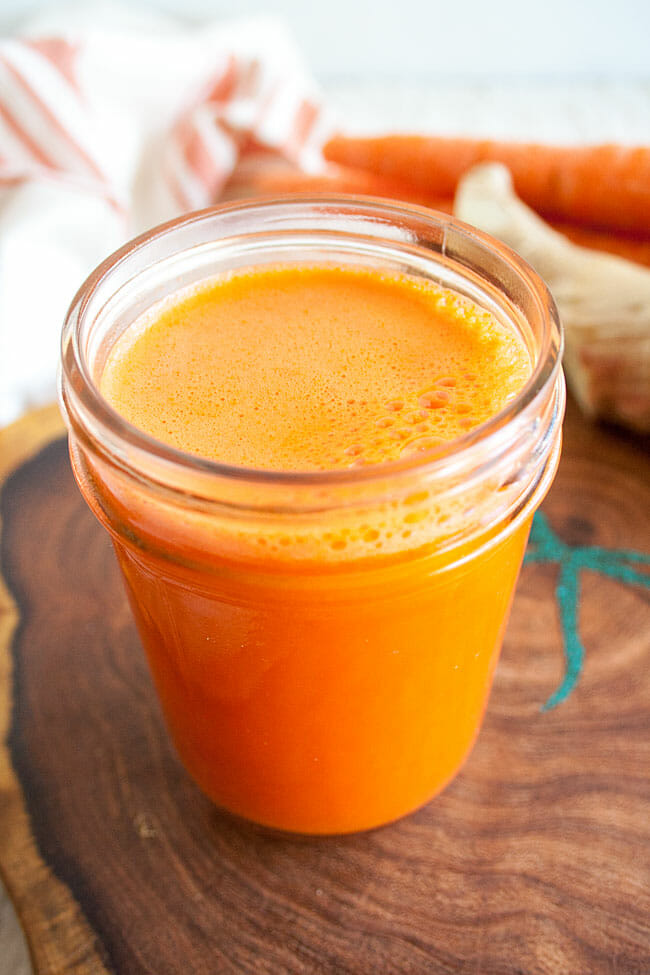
323, 644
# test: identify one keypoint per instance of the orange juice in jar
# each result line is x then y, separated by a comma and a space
317, 431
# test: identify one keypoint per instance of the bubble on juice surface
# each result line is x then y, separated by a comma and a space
434, 399
338, 544
415, 416
416, 497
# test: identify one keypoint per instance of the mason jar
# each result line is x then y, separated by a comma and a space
322, 643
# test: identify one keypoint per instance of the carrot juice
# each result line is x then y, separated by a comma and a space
319, 470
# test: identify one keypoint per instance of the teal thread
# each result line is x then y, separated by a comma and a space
545, 546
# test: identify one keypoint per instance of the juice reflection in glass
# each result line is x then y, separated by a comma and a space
322, 641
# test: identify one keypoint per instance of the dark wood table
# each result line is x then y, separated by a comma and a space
535, 860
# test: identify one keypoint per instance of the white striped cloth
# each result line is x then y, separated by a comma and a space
104, 132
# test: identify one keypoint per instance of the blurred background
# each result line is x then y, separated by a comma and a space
428, 40
563, 71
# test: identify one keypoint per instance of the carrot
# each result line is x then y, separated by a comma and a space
631, 248
605, 186
268, 178
274, 180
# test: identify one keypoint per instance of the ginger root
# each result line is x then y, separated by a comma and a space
604, 301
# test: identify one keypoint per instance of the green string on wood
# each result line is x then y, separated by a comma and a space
545, 546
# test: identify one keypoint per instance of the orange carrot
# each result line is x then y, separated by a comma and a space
269, 179
604, 186
631, 248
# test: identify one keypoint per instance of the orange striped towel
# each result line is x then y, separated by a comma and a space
104, 133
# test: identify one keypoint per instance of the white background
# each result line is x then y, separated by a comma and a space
420, 40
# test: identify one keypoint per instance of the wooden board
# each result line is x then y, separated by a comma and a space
535, 860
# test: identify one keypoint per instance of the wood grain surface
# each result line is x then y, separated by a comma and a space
535, 860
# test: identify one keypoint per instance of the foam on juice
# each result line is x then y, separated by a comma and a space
313, 368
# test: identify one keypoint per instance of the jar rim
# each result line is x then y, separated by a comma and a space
85, 406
